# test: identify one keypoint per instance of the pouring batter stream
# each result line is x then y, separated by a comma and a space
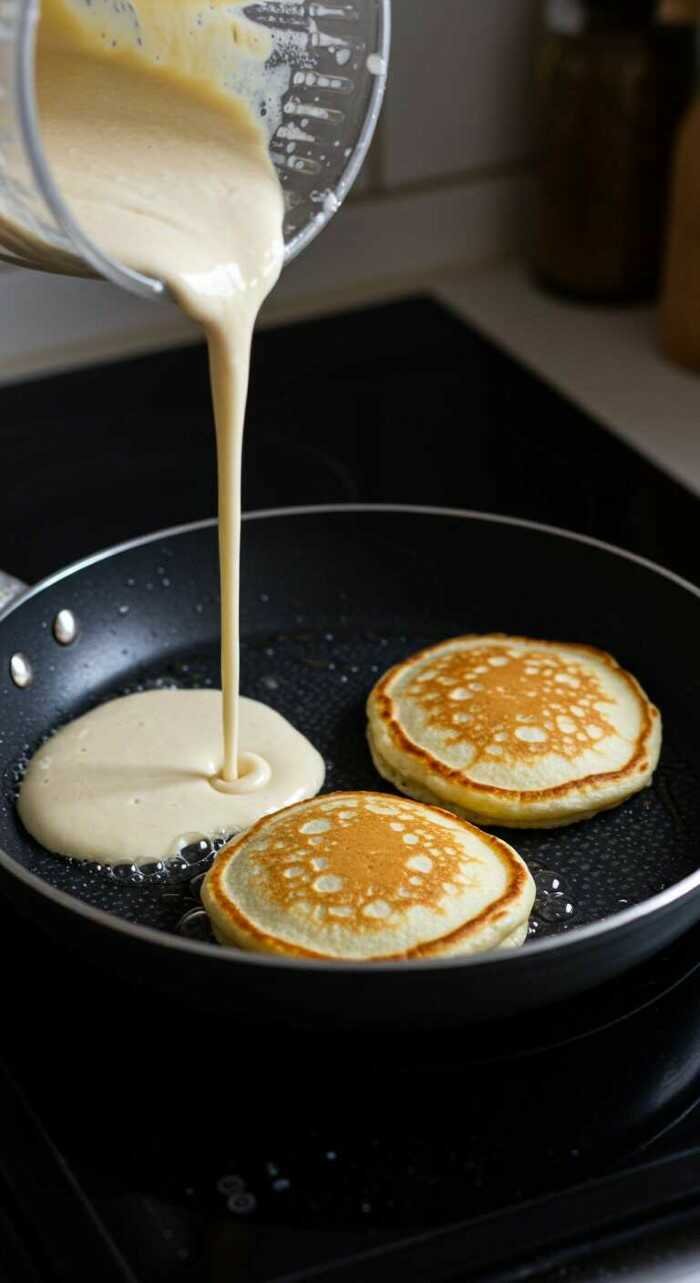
169, 174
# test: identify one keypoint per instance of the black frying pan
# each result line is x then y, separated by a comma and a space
330, 598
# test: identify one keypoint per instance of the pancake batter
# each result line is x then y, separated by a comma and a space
169, 173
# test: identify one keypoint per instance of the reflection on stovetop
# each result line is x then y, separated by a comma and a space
199, 1142
397, 404
212, 1151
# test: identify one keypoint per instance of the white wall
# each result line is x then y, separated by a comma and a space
445, 186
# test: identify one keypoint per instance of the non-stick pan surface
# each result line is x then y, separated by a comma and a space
330, 599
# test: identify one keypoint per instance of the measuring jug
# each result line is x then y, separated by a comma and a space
322, 87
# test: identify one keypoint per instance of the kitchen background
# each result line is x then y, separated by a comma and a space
443, 206
444, 188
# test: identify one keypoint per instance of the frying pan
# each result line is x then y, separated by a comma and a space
330, 598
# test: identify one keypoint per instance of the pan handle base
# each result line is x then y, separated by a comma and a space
9, 589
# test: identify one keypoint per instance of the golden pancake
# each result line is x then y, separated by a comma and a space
364, 876
510, 731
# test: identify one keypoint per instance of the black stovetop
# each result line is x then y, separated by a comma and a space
175, 1154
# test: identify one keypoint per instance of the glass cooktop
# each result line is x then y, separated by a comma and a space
142, 1142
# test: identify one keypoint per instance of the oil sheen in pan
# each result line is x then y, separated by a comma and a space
320, 681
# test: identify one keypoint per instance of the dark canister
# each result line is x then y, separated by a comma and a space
613, 79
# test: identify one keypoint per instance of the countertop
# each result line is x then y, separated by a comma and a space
605, 359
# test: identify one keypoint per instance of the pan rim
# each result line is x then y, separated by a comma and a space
578, 937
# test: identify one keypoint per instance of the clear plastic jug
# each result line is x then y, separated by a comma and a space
328, 65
